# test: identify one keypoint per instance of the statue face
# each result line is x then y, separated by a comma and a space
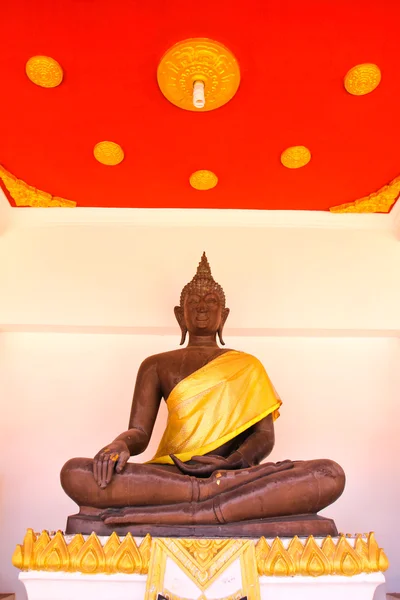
202, 311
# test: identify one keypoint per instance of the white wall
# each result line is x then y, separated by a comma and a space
318, 305
126, 276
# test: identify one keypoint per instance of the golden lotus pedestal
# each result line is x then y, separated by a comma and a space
62, 567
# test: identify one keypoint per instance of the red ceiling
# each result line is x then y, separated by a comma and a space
293, 56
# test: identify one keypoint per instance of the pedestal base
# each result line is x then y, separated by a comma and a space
301, 525
62, 567
42, 585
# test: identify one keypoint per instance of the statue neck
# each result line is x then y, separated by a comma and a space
203, 340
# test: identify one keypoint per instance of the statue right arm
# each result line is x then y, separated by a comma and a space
145, 404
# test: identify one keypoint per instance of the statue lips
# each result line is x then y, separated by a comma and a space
202, 320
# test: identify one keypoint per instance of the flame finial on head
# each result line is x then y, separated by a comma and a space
203, 270
203, 280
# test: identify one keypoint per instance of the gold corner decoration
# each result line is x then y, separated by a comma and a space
201, 559
203, 180
24, 194
362, 79
377, 202
295, 157
198, 59
108, 153
44, 71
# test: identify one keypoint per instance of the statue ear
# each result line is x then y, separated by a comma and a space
224, 316
178, 310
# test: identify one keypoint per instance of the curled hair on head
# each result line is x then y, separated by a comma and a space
201, 281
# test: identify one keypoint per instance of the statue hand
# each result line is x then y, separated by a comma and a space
114, 456
206, 465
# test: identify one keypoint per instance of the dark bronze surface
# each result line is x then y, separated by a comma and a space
114, 495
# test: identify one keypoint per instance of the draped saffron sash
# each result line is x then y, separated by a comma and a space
215, 404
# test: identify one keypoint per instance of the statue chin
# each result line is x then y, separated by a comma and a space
221, 412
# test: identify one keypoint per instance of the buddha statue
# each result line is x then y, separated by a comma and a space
207, 476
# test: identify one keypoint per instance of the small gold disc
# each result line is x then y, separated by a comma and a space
362, 79
198, 59
44, 71
295, 157
203, 180
108, 153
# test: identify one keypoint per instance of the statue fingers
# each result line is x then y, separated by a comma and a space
176, 461
122, 459
110, 468
95, 470
209, 460
196, 470
186, 469
104, 469
97, 466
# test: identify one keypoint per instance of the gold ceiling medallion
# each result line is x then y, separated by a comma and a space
377, 202
198, 74
108, 153
27, 195
362, 79
295, 157
203, 180
44, 71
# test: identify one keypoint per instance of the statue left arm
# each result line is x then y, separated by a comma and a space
257, 446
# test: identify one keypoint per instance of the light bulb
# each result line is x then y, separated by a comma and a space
198, 94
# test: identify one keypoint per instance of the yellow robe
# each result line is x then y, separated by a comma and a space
216, 403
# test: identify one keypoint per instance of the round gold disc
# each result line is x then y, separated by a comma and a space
295, 157
203, 180
198, 59
44, 71
362, 79
108, 153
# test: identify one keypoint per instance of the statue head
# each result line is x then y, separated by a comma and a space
202, 308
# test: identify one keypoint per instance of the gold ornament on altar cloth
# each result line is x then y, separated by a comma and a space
201, 559
295, 157
203, 180
362, 79
108, 153
44, 71
377, 202
24, 194
202, 61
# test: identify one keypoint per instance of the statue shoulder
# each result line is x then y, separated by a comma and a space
156, 360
